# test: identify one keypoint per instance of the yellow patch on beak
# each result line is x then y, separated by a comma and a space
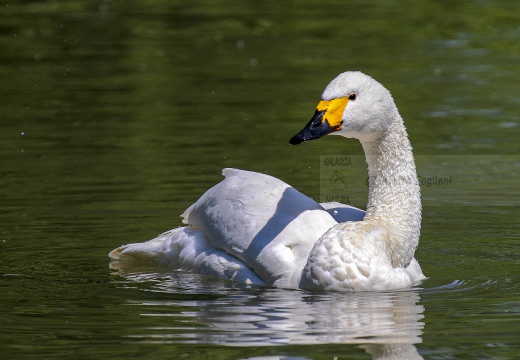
333, 111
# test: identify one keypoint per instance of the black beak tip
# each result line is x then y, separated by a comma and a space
296, 139
315, 128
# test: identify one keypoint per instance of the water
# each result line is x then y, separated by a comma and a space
117, 116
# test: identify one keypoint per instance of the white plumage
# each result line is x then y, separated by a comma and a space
256, 229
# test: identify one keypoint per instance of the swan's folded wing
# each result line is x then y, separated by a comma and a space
263, 221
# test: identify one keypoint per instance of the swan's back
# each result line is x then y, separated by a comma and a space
250, 227
263, 221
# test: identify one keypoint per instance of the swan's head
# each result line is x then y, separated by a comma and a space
352, 105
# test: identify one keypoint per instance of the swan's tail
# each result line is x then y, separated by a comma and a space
183, 249
155, 251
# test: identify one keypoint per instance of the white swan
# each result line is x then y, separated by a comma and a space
256, 229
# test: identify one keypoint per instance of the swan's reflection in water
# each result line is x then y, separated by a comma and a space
386, 325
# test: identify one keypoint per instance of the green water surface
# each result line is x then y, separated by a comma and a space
118, 115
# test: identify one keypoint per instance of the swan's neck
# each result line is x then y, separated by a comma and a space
394, 199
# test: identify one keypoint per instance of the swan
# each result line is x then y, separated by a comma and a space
255, 229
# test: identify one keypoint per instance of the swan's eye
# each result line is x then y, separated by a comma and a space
352, 97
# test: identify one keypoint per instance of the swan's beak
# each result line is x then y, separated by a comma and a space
326, 119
